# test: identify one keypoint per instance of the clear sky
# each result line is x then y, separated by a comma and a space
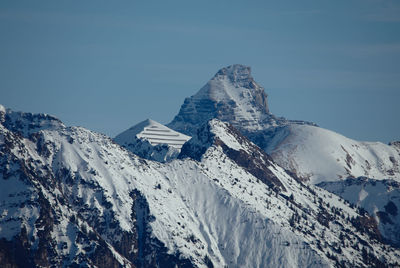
106, 65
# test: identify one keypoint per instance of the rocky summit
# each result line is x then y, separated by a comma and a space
232, 95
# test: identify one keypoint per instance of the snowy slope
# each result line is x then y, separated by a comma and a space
379, 198
278, 205
98, 204
318, 154
152, 140
36, 220
314, 154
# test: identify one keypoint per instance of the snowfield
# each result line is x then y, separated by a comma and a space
319, 154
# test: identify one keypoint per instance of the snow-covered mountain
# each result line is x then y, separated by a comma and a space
317, 154
311, 153
69, 196
152, 140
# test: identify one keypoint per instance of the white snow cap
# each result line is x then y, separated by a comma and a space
155, 133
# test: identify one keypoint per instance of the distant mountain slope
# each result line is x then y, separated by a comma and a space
318, 154
379, 198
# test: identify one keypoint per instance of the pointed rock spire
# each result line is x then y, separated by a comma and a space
233, 96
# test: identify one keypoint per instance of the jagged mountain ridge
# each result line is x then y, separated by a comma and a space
25, 123
106, 207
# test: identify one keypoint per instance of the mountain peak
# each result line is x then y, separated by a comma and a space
233, 96
239, 75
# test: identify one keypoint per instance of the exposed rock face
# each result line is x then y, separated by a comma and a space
232, 96
240, 77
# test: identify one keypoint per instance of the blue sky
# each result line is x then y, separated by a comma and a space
107, 65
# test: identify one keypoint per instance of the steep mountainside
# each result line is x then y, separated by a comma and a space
70, 196
233, 96
56, 210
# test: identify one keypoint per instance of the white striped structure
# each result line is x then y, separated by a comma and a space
155, 133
